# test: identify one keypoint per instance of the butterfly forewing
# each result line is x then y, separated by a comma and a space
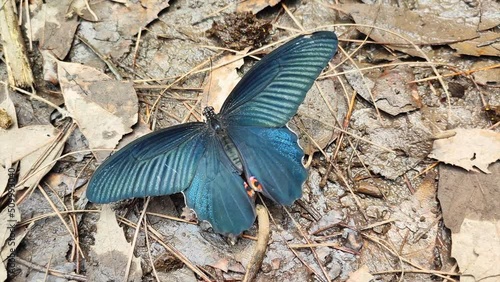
271, 92
160, 163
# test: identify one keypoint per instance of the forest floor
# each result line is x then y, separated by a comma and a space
400, 131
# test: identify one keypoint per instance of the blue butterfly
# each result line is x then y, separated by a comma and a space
246, 148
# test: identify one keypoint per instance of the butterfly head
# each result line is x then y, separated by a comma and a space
212, 118
209, 112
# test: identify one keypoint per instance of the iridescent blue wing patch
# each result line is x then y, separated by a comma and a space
273, 157
160, 163
217, 193
271, 92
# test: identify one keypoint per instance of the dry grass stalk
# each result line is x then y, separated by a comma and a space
16, 59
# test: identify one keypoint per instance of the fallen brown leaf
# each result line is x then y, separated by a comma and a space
35, 165
14, 146
477, 250
361, 275
468, 148
315, 118
111, 250
111, 32
487, 44
221, 264
468, 194
390, 90
50, 26
64, 184
421, 28
104, 109
487, 75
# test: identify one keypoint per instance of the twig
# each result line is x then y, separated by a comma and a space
159, 238
52, 272
136, 49
146, 236
56, 210
331, 245
306, 237
400, 258
259, 252
426, 271
16, 59
63, 112
28, 22
134, 241
101, 56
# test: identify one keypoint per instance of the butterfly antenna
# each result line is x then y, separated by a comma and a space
210, 76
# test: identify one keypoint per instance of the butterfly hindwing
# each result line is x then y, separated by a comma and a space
274, 158
217, 193
160, 163
271, 92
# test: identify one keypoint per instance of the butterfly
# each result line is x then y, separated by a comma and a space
221, 163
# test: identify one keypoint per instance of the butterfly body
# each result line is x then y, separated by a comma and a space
220, 130
245, 148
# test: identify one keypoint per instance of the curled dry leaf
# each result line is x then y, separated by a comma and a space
468, 148
104, 109
111, 250
477, 250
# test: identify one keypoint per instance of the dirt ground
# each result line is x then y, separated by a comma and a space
400, 131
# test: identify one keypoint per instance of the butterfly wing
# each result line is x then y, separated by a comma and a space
262, 103
274, 158
271, 92
160, 163
217, 193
